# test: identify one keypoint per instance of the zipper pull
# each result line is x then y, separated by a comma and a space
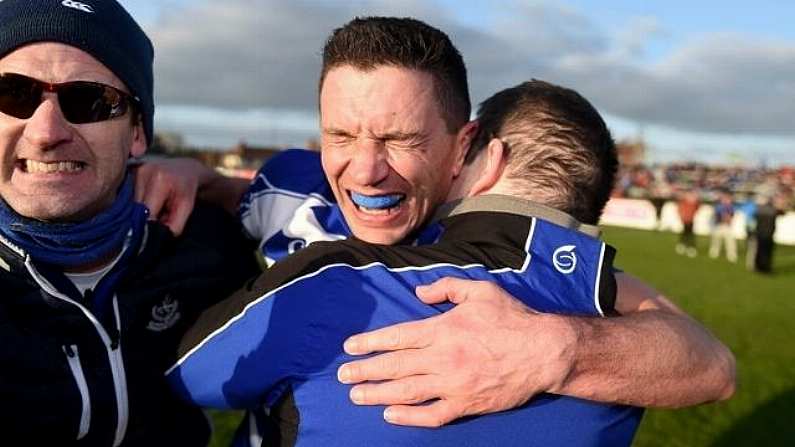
114, 335
69, 351
88, 297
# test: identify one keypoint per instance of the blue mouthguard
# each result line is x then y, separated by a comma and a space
376, 202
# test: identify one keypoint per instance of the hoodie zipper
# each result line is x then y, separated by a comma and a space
119, 378
112, 348
73, 357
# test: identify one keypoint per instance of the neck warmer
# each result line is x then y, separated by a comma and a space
76, 244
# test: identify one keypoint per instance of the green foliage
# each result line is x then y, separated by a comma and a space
751, 313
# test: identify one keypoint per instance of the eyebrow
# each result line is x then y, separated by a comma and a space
336, 131
394, 135
398, 135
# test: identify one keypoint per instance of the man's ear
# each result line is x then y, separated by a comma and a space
463, 142
492, 164
139, 144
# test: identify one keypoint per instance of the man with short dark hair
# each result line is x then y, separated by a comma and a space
425, 145
279, 341
554, 149
389, 158
373, 156
94, 298
368, 42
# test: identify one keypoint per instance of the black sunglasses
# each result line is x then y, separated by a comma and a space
80, 101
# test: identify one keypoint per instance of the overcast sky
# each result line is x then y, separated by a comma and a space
709, 80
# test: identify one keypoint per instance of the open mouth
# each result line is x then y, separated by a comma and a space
377, 204
55, 167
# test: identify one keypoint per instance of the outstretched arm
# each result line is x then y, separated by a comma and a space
491, 353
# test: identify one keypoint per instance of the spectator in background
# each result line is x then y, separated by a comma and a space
687, 206
660, 193
722, 229
766, 215
748, 209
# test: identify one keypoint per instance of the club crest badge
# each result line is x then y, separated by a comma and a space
164, 315
564, 259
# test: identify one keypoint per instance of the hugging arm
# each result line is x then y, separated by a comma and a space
491, 353
169, 188
654, 355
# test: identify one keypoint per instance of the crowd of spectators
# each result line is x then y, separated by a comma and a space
760, 194
667, 181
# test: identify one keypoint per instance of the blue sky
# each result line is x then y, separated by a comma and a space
708, 81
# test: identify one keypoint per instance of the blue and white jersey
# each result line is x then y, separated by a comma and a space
279, 343
290, 205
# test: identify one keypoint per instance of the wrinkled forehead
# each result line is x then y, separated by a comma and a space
57, 62
383, 93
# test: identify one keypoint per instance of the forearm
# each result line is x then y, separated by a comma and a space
494, 353
222, 190
651, 358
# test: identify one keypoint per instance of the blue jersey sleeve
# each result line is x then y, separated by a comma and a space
289, 205
236, 365
293, 331
283, 183
569, 271
245, 358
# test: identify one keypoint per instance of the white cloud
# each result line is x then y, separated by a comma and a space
242, 54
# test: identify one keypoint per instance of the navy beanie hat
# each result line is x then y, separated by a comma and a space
101, 28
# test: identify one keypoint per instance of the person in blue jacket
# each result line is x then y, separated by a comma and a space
388, 165
279, 341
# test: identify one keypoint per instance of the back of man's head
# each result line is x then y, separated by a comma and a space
559, 150
369, 42
101, 28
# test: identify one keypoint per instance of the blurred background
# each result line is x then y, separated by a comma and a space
699, 95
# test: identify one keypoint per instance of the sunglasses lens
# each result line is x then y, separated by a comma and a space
80, 101
85, 102
19, 95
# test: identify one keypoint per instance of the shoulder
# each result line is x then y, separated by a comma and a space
213, 240
317, 258
295, 170
213, 227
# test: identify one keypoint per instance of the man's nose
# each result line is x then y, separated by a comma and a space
370, 164
47, 127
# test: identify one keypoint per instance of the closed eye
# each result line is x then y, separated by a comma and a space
337, 136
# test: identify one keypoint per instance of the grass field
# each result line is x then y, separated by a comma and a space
751, 313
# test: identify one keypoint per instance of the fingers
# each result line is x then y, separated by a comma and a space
179, 213
446, 289
149, 188
390, 365
141, 180
168, 190
414, 334
405, 391
455, 290
434, 415
155, 199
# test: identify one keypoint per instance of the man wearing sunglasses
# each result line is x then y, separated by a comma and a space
94, 298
